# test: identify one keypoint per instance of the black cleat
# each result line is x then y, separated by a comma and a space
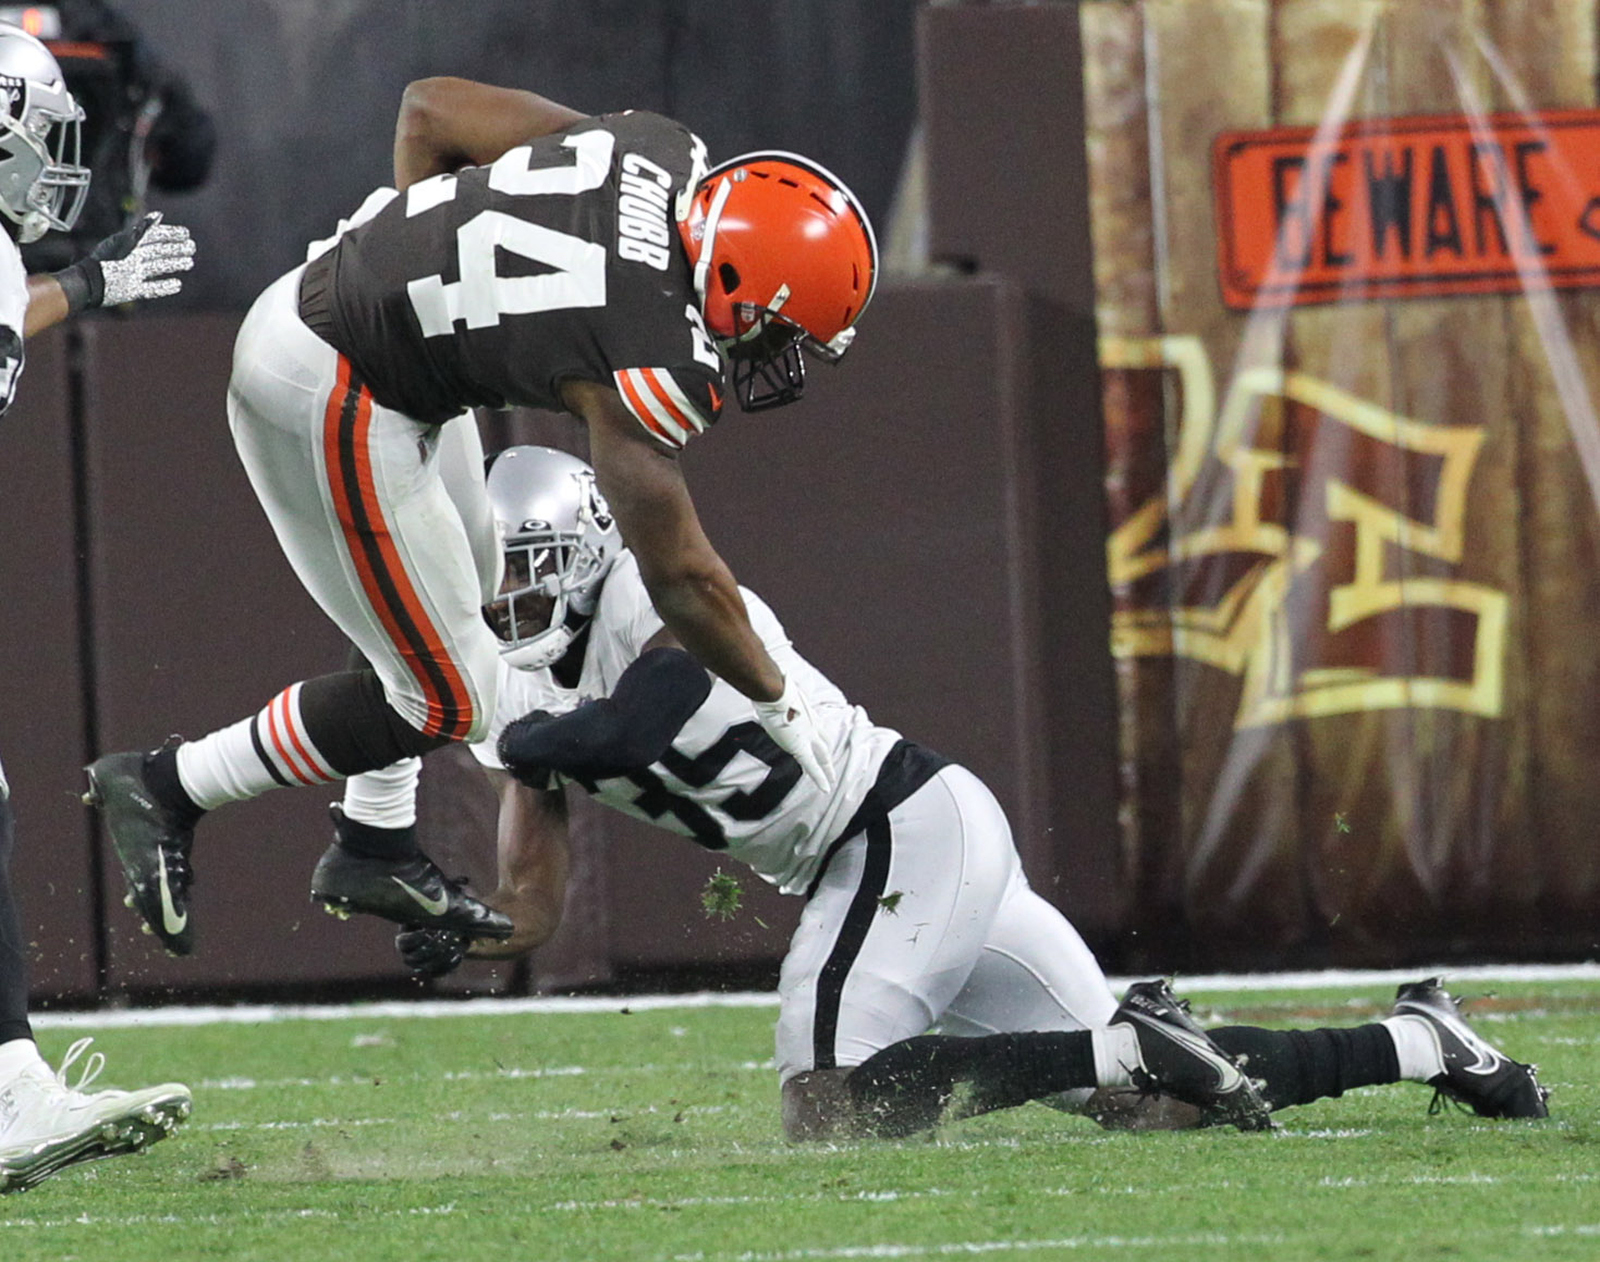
1476, 1073
1178, 1058
411, 891
152, 845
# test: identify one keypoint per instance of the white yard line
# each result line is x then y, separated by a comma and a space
972, 1247
231, 1218
255, 1014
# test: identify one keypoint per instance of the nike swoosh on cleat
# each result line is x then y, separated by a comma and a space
1229, 1078
1485, 1061
433, 906
171, 921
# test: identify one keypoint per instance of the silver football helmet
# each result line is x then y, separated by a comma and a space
42, 182
560, 539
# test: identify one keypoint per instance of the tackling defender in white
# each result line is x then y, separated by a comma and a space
918, 916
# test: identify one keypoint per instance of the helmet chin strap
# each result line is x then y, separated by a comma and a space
541, 651
708, 238
543, 648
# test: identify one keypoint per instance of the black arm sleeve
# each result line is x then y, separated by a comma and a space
614, 735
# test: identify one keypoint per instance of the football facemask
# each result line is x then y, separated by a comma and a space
559, 539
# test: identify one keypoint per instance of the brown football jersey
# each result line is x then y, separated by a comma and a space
561, 260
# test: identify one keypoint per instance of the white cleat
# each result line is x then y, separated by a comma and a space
46, 1125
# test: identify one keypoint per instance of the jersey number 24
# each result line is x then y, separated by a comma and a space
481, 297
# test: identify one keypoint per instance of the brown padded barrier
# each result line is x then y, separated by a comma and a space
41, 714
1002, 107
199, 622
1001, 100
881, 518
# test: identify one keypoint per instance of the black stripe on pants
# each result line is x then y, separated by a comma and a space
852, 935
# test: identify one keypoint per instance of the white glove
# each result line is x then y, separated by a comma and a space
789, 721
140, 261
148, 270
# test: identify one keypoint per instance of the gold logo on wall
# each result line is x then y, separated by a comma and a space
1308, 541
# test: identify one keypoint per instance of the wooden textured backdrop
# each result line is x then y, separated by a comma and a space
1354, 548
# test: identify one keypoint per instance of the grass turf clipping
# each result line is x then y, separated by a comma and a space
653, 1133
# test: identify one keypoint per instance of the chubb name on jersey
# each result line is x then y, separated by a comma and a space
643, 233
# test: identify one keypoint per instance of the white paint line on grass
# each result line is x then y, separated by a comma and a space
232, 1218
257, 1014
697, 1202
511, 1073
971, 1247
315, 1123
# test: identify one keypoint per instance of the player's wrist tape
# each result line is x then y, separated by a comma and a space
84, 285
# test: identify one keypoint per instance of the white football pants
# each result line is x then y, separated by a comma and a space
925, 920
385, 520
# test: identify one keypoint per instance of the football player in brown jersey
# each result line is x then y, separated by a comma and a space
527, 255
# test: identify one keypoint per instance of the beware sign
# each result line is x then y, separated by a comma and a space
1408, 208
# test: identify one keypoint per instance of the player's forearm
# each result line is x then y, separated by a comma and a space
707, 614
534, 860
535, 913
446, 123
689, 583
47, 305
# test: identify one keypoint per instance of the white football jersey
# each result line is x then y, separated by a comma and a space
723, 781
13, 311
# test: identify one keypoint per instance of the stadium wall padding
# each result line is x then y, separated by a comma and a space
42, 719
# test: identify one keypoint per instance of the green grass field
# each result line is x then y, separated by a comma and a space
653, 1133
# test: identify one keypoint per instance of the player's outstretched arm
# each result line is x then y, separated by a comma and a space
690, 585
144, 260
445, 124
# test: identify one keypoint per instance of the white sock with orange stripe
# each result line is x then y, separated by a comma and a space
253, 755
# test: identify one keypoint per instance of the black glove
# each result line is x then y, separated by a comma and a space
431, 952
534, 776
137, 262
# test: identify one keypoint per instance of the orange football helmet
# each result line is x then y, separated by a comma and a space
784, 260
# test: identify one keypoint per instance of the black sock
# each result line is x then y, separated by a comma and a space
161, 778
1300, 1066
910, 1085
371, 841
350, 720
13, 948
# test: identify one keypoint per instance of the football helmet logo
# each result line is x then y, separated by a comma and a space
560, 539
42, 183
784, 261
